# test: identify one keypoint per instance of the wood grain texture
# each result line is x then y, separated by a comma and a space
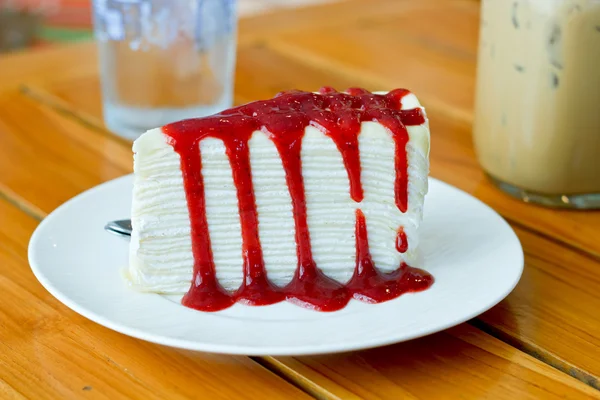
407, 49
554, 312
47, 64
331, 15
429, 46
48, 158
459, 363
50, 352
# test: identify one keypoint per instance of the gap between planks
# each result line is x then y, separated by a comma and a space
17, 201
303, 383
42, 96
362, 77
537, 352
62, 107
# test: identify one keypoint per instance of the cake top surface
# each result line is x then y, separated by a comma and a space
338, 114
291, 111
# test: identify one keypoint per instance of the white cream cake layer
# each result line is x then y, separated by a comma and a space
161, 257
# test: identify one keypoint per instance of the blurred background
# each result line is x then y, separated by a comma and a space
39, 23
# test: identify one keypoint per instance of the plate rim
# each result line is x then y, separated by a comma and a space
233, 349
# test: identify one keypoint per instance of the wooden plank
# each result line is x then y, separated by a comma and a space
50, 63
261, 73
459, 363
430, 50
330, 16
47, 158
77, 97
554, 311
50, 352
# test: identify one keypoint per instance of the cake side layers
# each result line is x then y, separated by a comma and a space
161, 255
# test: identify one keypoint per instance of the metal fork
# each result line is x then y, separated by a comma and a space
121, 227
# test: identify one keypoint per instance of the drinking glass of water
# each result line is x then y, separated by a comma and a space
164, 60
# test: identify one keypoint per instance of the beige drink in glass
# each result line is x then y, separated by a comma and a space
537, 113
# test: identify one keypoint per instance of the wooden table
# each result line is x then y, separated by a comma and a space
542, 341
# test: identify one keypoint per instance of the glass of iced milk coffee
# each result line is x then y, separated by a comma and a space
537, 112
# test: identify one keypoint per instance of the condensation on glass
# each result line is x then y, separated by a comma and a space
164, 60
537, 117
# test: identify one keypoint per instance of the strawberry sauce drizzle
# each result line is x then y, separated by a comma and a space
401, 241
370, 285
284, 119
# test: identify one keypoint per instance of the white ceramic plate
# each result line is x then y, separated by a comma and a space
472, 252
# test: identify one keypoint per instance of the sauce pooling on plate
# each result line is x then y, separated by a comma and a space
284, 118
